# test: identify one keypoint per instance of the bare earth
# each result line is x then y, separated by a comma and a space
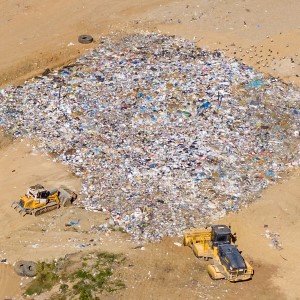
36, 35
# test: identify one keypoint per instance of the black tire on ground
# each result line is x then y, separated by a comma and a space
19, 267
85, 39
25, 268
30, 269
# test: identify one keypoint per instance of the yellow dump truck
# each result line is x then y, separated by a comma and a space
217, 242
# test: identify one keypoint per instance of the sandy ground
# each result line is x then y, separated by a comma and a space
36, 35
277, 211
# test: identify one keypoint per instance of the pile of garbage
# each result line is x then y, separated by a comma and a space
164, 135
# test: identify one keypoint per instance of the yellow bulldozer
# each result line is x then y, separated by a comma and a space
217, 242
38, 200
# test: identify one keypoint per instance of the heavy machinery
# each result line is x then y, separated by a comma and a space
38, 200
217, 242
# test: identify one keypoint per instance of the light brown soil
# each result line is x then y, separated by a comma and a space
36, 35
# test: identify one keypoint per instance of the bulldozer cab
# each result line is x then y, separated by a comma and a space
37, 192
221, 234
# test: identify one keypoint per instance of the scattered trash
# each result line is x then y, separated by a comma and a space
139, 247
274, 237
255, 84
283, 258
83, 245
72, 223
46, 72
164, 135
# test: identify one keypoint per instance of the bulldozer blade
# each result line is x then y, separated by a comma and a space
14, 205
19, 209
23, 213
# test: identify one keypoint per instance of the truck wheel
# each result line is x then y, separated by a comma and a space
19, 267
85, 39
25, 268
214, 273
30, 269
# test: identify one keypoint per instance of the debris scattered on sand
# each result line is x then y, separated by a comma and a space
274, 237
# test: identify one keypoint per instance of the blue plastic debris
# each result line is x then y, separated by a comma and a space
270, 173
72, 223
255, 84
206, 104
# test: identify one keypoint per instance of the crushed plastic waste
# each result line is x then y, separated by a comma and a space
255, 84
72, 223
164, 135
275, 239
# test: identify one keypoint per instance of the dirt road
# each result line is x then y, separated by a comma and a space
36, 35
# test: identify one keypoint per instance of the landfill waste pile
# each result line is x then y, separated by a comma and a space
164, 135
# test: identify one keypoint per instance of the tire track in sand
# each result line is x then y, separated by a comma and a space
9, 282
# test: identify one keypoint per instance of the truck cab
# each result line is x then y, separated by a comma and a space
221, 234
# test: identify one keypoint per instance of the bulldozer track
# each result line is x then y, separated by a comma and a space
45, 209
